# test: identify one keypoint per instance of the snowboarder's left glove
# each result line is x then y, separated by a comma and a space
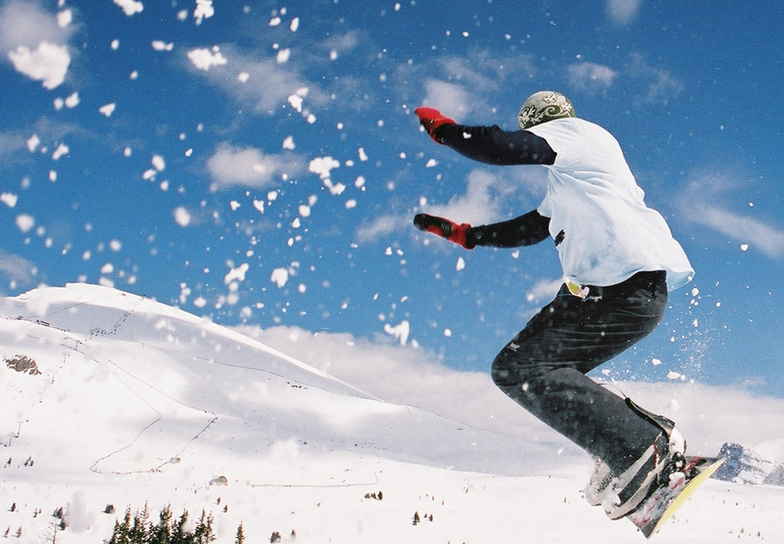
459, 234
431, 119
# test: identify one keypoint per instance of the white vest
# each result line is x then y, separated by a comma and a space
596, 207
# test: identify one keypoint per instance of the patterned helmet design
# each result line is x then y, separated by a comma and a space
544, 106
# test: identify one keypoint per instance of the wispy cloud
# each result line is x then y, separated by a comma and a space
262, 83
703, 201
623, 12
487, 198
743, 229
232, 165
659, 83
589, 76
17, 270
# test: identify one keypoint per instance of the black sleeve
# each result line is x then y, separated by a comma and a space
493, 145
525, 230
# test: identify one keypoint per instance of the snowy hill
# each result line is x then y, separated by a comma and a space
111, 398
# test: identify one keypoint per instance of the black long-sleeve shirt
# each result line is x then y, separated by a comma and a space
492, 145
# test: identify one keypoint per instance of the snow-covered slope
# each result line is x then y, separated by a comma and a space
111, 398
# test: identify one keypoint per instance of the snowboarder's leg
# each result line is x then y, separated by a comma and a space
543, 368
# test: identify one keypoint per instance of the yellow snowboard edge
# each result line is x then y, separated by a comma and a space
684, 495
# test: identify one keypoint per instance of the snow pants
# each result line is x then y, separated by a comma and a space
544, 367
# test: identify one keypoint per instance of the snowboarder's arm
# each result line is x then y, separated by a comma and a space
493, 145
525, 230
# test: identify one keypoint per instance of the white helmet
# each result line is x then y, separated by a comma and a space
544, 106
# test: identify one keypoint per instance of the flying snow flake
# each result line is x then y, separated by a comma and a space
61, 150
656, 362
288, 143
25, 222
362, 155
182, 217
243, 77
9, 199
294, 24
744, 247
672, 375
47, 64
323, 166
160, 45
204, 10
234, 205
115, 245
431, 163
296, 102
108, 109
283, 56
33, 142
400, 331
280, 276
158, 163
204, 58
460, 264
64, 18
304, 210
351, 204
259, 205
130, 7
236, 274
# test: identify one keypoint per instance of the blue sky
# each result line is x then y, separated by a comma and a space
260, 163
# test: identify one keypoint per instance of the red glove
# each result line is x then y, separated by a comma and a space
445, 228
431, 119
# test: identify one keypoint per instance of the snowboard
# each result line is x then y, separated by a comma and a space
662, 504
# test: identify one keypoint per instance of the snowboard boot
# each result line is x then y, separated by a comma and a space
601, 478
665, 457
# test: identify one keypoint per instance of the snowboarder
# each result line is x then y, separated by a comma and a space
619, 260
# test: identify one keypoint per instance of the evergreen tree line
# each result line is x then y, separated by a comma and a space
138, 529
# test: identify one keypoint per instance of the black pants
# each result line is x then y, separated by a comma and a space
543, 368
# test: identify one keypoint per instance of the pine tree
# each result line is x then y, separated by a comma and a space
203, 533
240, 535
121, 534
162, 533
179, 534
139, 533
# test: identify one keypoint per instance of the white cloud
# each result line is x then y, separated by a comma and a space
746, 230
376, 367
274, 82
451, 99
481, 203
477, 206
249, 167
590, 76
623, 12
661, 85
543, 290
16, 269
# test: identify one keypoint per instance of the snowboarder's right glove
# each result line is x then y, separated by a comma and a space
431, 119
459, 234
